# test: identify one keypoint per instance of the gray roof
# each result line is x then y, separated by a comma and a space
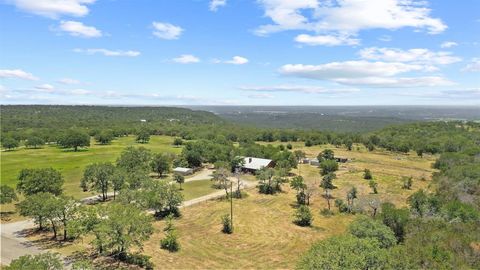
180, 169
253, 163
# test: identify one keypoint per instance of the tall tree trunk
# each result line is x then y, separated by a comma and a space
328, 198
75, 148
54, 229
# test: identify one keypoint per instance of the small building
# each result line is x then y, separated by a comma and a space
305, 161
252, 164
341, 159
314, 162
183, 171
143, 120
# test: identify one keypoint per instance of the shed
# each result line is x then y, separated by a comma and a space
183, 171
314, 162
253, 164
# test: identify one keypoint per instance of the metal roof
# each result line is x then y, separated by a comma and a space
180, 169
255, 163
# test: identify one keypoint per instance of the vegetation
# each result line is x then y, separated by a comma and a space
303, 216
170, 242
32, 181
48, 261
7, 194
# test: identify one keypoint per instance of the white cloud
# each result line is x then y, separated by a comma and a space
45, 87
54, 8
420, 56
393, 82
166, 30
348, 69
68, 81
108, 52
364, 73
307, 89
326, 40
215, 4
236, 60
448, 44
78, 29
17, 74
473, 66
79, 92
186, 59
260, 96
347, 17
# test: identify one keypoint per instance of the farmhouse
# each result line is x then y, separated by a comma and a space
183, 171
252, 164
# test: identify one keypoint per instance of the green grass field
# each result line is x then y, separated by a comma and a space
195, 189
71, 164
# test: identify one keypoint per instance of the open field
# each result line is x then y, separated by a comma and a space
71, 164
265, 236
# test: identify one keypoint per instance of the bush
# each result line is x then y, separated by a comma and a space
364, 227
170, 242
303, 216
227, 224
341, 205
140, 260
407, 182
367, 174
326, 212
289, 146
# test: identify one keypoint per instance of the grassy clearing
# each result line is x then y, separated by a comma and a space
71, 164
195, 189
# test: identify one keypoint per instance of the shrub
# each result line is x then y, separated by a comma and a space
367, 174
303, 216
407, 182
227, 224
326, 212
341, 205
364, 227
289, 146
170, 242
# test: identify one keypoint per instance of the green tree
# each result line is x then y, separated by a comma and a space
326, 154
170, 241
134, 159
34, 206
367, 174
121, 227
327, 184
395, 219
160, 164
298, 184
7, 194
373, 185
351, 196
9, 143
180, 179
31, 181
364, 227
74, 138
43, 261
227, 224
98, 176
407, 182
104, 137
344, 252
328, 166
143, 136
118, 181
303, 216
177, 141
34, 142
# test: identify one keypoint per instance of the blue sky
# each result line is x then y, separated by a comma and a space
227, 52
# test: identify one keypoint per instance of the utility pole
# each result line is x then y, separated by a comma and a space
231, 204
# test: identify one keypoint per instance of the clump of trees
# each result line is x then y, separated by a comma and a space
32, 181
271, 180
10, 143
170, 241
303, 216
74, 138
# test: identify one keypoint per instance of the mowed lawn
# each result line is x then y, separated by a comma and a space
195, 189
72, 164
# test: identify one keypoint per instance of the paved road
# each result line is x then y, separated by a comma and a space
14, 244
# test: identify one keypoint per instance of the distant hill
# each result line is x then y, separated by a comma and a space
15, 117
339, 118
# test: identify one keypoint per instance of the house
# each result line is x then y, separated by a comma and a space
183, 171
341, 159
252, 164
